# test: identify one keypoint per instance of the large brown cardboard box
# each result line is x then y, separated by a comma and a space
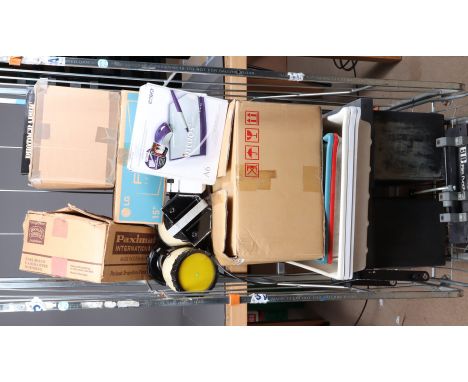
75, 244
268, 201
74, 137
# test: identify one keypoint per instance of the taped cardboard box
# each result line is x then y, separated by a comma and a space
268, 200
74, 137
138, 198
76, 244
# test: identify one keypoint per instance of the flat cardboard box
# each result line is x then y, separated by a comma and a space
138, 198
74, 137
76, 244
268, 205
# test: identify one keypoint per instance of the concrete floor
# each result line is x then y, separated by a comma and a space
452, 311
439, 311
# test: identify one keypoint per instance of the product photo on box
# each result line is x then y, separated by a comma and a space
177, 134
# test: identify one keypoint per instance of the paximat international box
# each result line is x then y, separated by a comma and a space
74, 136
76, 244
138, 198
268, 199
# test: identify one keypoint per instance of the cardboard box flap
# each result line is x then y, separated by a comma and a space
219, 219
226, 142
71, 209
219, 229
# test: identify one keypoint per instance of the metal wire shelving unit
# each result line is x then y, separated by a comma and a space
32, 294
39, 294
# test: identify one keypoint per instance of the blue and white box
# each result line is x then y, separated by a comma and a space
138, 198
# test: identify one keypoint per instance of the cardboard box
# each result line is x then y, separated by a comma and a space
268, 204
75, 244
74, 137
138, 198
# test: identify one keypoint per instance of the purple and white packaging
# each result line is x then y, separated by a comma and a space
177, 134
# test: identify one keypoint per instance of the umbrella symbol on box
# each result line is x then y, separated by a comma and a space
252, 152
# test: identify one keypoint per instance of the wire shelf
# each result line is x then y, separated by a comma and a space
109, 73
50, 294
32, 294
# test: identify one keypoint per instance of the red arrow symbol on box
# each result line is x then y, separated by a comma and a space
249, 151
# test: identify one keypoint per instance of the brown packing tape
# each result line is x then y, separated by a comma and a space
311, 179
122, 156
112, 135
123, 125
109, 137
40, 91
104, 135
262, 182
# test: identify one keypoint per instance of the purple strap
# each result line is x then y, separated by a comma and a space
176, 101
203, 127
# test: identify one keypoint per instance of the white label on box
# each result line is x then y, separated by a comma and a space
36, 305
92, 305
128, 304
258, 298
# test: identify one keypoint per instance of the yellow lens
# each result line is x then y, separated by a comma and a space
196, 273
